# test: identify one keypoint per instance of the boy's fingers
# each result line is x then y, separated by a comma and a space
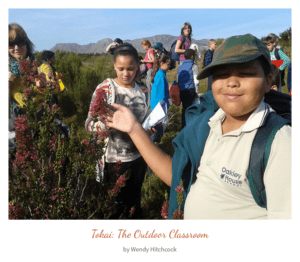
113, 108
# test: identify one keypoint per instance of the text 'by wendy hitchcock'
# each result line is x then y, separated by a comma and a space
138, 234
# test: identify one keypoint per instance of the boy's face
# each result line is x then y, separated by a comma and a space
270, 46
239, 88
213, 46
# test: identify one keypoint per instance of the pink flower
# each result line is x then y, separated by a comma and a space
55, 108
121, 181
165, 210
179, 189
27, 93
21, 123
59, 163
102, 135
85, 142
24, 66
132, 211
53, 198
36, 63
97, 107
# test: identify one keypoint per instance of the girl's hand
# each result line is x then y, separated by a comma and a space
119, 117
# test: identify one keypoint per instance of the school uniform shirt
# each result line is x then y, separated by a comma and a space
222, 190
120, 145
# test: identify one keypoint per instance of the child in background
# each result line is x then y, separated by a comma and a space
125, 91
160, 88
212, 44
159, 49
277, 54
276, 77
47, 67
185, 79
212, 152
149, 59
113, 46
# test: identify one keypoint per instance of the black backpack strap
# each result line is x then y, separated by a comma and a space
259, 156
276, 53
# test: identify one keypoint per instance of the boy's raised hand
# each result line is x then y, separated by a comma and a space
119, 117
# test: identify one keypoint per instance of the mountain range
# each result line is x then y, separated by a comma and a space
101, 45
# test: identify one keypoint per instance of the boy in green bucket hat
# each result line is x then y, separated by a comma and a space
212, 152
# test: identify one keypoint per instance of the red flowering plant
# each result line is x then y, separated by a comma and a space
52, 172
178, 214
165, 207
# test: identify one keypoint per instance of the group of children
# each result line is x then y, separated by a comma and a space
212, 152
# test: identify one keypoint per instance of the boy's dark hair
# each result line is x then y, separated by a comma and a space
189, 53
268, 40
119, 41
47, 54
276, 75
265, 65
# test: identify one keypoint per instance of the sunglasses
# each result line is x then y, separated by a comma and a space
19, 43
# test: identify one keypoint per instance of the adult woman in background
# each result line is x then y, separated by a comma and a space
19, 48
183, 41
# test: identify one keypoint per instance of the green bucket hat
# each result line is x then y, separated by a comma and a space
236, 49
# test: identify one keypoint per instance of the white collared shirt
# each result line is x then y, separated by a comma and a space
222, 190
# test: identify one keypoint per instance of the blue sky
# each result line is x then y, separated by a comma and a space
47, 27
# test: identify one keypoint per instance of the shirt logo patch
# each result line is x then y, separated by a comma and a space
231, 177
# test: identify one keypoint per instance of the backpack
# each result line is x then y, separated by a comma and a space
143, 70
262, 143
282, 74
174, 93
174, 55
